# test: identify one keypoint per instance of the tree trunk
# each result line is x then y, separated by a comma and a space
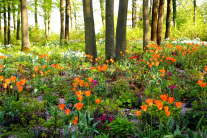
25, 28
109, 45
121, 29
133, 13
67, 10
5, 26
150, 9
62, 31
14, 16
154, 21
90, 38
167, 33
174, 12
194, 12
74, 13
46, 6
49, 25
9, 21
18, 20
0, 21
145, 24
102, 11
160, 21
71, 18
36, 21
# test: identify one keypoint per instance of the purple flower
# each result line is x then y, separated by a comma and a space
110, 119
169, 73
95, 82
172, 87
108, 128
92, 86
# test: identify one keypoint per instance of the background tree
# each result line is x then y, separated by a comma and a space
25, 27
174, 12
49, 17
194, 5
62, 31
160, 21
67, 10
154, 21
102, 11
74, 13
71, 13
167, 33
121, 28
0, 19
134, 15
145, 24
18, 19
5, 24
14, 3
36, 21
90, 38
9, 21
109, 45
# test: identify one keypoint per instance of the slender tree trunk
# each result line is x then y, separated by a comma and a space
160, 21
102, 11
36, 21
145, 24
62, 31
74, 13
167, 33
90, 38
18, 20
194, 12
154, 21
9, 21
174, 12
46, 18
133, 13
49, 25
25, 27
67, 10
150, 9
5, 26
0, 21
14, 17
109, 45
71, 17
121, 29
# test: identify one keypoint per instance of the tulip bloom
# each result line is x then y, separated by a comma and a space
98, 101
78, 93
78, 106
80, 98
67, 111
159, 106
13, 78
87, 93
20, 88
178, 104
164, 97
171, 100
167, 113
7, 81
90, 79
149, 102
75, 122
1, 78
61, 106
76, 118
81, 83
138, 113
166, 108
144, 108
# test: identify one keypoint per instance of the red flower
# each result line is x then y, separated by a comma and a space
61, 106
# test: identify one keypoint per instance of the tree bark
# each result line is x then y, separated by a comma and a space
102, 11
90, 38
67, 10
133, 13
160, 21
0, 21
145, 24
109, 45
5, 26
62, 31
18, 20
36, 21
121, 29
167, 33
9, 21
46, 6
71, 17
25, 28
154, 21
14, 17
74, 13
194, 12
174, 12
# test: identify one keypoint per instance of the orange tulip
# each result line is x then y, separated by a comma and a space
67, 111
178, 104
36, 68
98, 101
61, 68
22, 81
75, 84
164, 97
20, 88
78, 93
170, 100
77, 79
1, 78
90, 79
81, 83
86, 84
75, 122
61, 106
33, 75
7, 81
157, 102
92, 68
73, 89
13, 78
1, 66
138, 113
159, 106
87, 93
76, 118
80, 98
78, 106
11, 87
144, 108
18, 83
166, 108
167, 113
5, 85
44, 66
149, 102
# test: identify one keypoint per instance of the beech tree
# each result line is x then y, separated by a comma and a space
62, 31
18, 19
102, 11
5, 25
109, 45
154, 21
9, 21
194, 5
25, 27
160, 21
67, 9
134, 13
167, 33
36, 21
145, 24
121, 29
90, 38
174, 12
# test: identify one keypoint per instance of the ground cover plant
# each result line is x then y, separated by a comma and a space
159, 93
